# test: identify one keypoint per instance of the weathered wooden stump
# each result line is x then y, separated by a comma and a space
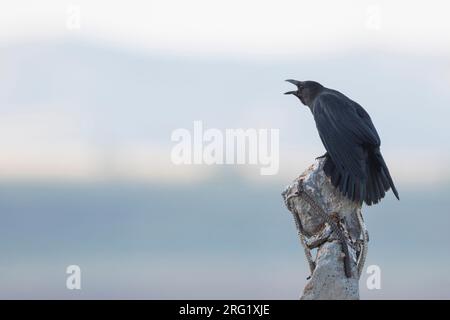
327, 221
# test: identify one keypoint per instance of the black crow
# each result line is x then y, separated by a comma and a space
353, 160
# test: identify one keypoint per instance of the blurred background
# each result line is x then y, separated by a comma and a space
90, 92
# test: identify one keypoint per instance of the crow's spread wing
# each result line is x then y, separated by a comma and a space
345, 128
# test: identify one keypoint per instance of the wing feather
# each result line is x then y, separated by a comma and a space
345, 128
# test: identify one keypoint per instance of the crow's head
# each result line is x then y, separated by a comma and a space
306, 91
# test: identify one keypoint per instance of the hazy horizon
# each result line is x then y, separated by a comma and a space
88, 107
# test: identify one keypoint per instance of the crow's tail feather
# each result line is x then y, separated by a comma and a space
384, 173
370, 189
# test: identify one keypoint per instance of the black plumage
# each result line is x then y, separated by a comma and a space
353, 161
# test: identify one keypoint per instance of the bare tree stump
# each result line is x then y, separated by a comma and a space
317, 229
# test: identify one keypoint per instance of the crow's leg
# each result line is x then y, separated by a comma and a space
322, 156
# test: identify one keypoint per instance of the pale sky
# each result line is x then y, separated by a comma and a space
252, 27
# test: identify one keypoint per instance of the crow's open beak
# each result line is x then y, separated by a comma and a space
294, 82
